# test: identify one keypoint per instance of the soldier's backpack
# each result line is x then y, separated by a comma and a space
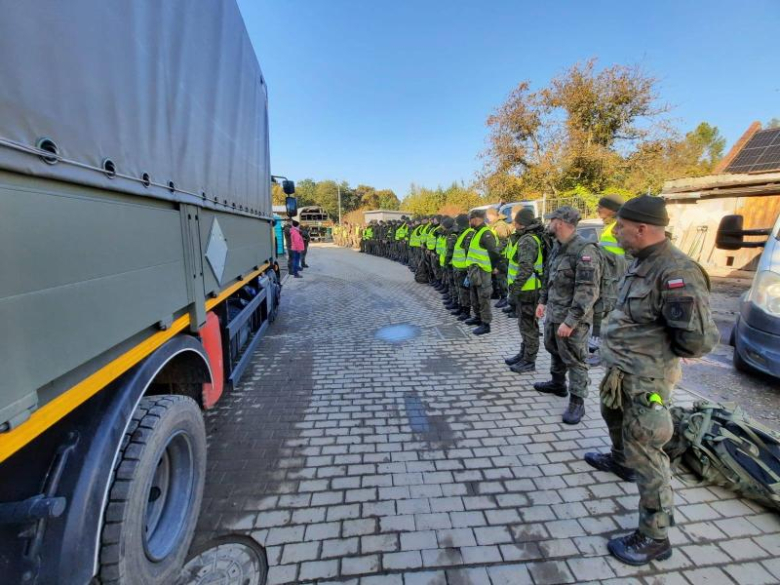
724, 446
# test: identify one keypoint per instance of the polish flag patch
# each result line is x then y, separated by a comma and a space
586, 258
675, 283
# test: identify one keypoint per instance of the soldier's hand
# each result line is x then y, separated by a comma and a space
540, 308
564, 330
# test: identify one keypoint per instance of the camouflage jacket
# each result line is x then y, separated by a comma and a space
613, 267
525, 257
662, 314
452, 237
570, 286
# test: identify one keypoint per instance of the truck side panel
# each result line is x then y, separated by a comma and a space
105, 270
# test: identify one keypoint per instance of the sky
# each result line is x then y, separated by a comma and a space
390, 93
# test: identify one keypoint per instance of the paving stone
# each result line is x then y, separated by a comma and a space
316, 570
282, 574
297, 553
703, 555
402, 560
425, 578
521, 551
590, 569
509, 575
456, 538
379, 543
396, 523
467, 519
432, 521
551, 573
382, 580
475, 555
708, 575
750, 574
339, 547
467, 576
492, 535
358, 527
442, 557
285, 535
418, 540
360, 565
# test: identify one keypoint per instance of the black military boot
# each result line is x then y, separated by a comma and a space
465, 314
452, 305
457, 311
512, 314
575, 411
523, 366
514, 359
605, 462
475, 320
502, 303
482, 329
637, 549
556, 386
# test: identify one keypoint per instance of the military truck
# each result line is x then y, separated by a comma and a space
138, 275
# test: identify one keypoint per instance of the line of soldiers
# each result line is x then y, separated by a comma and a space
649, 314
348, 235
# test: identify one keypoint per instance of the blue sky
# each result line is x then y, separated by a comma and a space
393, 93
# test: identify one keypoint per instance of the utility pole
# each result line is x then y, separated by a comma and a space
338, 185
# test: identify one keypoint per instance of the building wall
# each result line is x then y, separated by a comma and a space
694, 224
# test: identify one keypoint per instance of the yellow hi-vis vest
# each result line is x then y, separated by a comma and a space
430, 242
368, 233
459, 253
608, 241
414, 240
533, 282
477, 254
441, 248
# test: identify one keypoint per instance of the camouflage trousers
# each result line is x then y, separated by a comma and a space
480, 289
452, 285
568, 354
525, 304
464, 296
639, 430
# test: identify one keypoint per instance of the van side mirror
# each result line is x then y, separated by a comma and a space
291, 204
729, 236
288, 187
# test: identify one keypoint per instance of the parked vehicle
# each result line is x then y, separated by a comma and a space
510, 209
756, 333
316, 220
139, 274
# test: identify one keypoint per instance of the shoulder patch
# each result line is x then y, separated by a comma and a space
586, 258
675, 283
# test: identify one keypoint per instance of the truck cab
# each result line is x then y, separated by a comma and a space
756, 333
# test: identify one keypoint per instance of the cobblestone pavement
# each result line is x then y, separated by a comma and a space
359, 460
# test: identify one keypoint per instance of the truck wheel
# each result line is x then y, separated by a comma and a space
155, 498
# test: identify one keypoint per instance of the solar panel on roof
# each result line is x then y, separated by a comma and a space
761, 153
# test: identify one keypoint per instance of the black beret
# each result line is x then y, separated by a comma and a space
611, 201
525, 216
645, 209
477, 213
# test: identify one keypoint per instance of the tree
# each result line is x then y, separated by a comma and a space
277, 195
575, 132
305, 190
773, 123
326, 196
387, 199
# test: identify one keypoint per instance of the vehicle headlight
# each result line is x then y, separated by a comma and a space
765, 292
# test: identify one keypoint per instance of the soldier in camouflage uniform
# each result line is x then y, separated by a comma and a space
525, 268
503, 232
482, 259
571, 288
460, 266
452, 302
662, 314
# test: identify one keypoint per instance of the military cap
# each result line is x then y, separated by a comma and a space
480, 213
462, 220
525, 216
447, 223
645, 209
565, 213
611, 201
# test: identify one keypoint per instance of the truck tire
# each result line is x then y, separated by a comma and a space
155, 498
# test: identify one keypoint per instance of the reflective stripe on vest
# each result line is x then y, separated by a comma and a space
608, 241
533, 282
459, 253
477, 254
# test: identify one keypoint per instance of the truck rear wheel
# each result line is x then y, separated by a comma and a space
155, 498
